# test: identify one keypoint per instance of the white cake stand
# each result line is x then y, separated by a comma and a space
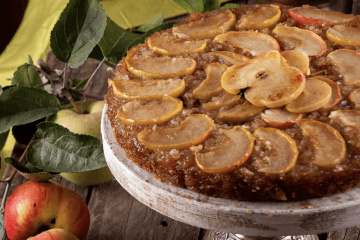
266, 219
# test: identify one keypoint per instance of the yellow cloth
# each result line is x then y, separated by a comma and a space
33, 35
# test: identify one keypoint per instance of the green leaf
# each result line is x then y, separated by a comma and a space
98, 55
17, 165
149, 33
230, 5
26, 76
21, 105
1, 90
3, 138
153, 22
59, 150
78, 30
191, 5
113, 43
210, 5
2, 226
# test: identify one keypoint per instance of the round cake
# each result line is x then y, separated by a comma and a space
259, 102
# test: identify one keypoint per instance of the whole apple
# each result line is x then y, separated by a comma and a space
86, 123
35, 207
55, 234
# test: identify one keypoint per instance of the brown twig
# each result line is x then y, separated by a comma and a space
8, 179
92, 75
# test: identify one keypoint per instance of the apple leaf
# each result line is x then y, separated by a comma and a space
147, 34
2, 226
17, 165
210, 5
155, 21
1, 90
26, 76
3, 138
230, 5
20, 105
78, 30
191, 5
59, 150
115, 40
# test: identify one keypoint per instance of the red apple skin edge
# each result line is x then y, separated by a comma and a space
37, 205
54, 234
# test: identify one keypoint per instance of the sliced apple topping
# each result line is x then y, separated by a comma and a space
166, 44
297, 59
329, 145
165, 67
254, 42
148, 89
335, 94
280, 118
271, 81
263, 17
232, 58
227, 99
302, 40
214, 25
351, 120
344, 35
240, 113
155, 112
228, 155
212, 84
355, 97
280, 150
347, 62
312, 15
316, 94
192, 131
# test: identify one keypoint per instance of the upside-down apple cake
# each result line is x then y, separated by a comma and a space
258, 102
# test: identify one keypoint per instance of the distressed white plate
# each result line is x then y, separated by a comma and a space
318, 215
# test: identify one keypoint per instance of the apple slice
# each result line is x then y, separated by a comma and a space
192, 131
297, 59
280, 118
165, 67
316, 94
263, 17
228, 155
212, 84
335, 93
232, 58
302, 40
154, 112
344, 35
147, 89
312, 15
280, 150
347, 62
329, 145
227, 99
209, 27
254, 42
166, 44
240, 113
351, 120
271, 81
355, 97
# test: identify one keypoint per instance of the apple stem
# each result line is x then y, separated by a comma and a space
75, 105
48, 76
93, 74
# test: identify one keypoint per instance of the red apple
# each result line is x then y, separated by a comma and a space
35, 207
55, 234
